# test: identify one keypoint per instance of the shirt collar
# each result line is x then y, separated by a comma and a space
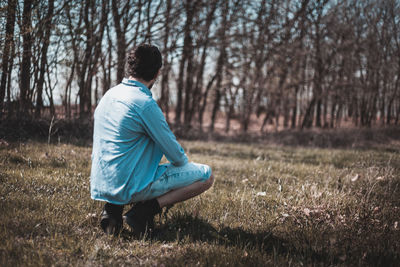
134, 83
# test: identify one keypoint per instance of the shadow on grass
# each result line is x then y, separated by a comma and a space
186, 228
183, 228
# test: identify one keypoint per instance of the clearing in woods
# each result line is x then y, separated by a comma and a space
270, 205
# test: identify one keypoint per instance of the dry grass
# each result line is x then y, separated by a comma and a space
270, 205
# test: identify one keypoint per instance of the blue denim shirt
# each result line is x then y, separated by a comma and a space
130, 137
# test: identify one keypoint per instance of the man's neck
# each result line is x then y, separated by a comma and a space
147, 84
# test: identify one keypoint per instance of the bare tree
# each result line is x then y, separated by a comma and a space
7, 51
91, 26
185, 64
25, 76
45, 40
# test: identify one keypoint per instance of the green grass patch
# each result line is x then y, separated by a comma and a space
269, 206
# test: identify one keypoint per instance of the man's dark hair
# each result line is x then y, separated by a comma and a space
143, 62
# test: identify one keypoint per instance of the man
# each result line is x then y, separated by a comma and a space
130, 137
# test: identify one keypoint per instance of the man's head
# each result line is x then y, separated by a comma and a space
143, 62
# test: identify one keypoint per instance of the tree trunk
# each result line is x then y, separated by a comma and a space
43, 61
228, 115
25, 79
333, 109
93, 43
204, 100
215, 109
308, 116
164, 98
294, 110
107, 64
121, 42
219, 68
10, 108
49, 92
178, 108
325, 112
189, 83
6, 51
187, 47
67, 99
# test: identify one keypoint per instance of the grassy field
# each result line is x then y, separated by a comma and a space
270, 205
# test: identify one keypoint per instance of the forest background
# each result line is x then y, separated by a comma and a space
235, 65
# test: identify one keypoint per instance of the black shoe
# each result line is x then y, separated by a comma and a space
111, 219
141, 217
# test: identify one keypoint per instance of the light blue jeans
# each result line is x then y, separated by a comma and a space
172, 178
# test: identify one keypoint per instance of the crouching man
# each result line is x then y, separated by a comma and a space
130, 137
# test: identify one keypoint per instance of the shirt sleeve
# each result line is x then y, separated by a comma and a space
157, 128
